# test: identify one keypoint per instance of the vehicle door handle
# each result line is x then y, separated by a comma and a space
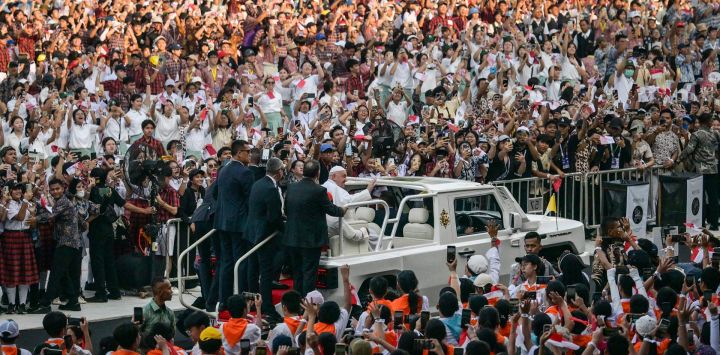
515, 243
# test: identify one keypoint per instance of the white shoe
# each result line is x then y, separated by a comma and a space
57, 302
81, 300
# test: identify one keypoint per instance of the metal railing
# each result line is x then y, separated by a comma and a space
236, 268
178, 248
181, 278
581, 195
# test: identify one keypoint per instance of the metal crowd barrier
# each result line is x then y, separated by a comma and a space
580, 197
180, 244
181, 279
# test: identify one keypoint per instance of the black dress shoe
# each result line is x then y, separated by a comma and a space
113, 297
96, 299
70, 307
40, 310
11, 309
21, 309
90, 286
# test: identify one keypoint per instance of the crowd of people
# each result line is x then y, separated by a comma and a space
119, 116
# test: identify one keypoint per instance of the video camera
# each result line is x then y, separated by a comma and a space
156, 170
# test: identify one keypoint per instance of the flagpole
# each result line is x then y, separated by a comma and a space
557, 211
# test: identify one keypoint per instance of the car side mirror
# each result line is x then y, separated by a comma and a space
515, 220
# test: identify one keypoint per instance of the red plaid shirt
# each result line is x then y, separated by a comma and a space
113, 87
4, 58
138, 75
158, 85
172, 198
438, 21
356, 82
26, 44
151, 143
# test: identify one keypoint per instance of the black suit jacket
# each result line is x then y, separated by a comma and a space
265, 211
232, 192
306, 205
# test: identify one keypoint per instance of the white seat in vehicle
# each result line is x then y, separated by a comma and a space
417, 226
361, 217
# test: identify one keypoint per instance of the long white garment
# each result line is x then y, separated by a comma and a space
341, 197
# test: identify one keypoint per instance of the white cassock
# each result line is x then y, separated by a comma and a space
340, 197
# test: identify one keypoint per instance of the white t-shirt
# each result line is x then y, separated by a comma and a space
167, 128
397, 112
116, 129
82, 137
270, 105
402, 76
307, 85
136, 120
12, 210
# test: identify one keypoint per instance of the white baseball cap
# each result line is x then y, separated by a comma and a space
478, 264
9, 329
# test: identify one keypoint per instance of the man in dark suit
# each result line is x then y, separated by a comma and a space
306, 205
234, 182
265, 217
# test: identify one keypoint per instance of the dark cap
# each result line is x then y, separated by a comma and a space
175, 47
648, 246
564, 121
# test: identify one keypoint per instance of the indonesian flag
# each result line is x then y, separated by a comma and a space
413, 118
355, 301
453, 127
203, 114
301, 84
693, 229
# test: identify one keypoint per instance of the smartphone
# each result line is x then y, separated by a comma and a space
543, 280
265, 154
353, 123
610, 331
280, 131
6, 189
601, 321
570, 292
293, 351
138, 315
74, 321
450, 253
677, 238
514, 305
310, 96
68, 342
423, 129
424, 318
248, 296
458, 351
284, 154
398, 319
530, 295
689, 281
691, 337
465, 318
620, 270
251, 101
339, 349
244, 346
93, 156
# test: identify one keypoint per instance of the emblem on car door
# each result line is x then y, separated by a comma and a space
444, 218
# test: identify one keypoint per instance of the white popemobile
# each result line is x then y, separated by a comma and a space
420, 217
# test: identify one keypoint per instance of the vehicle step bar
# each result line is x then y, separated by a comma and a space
181, 277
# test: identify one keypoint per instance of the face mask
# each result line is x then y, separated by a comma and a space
629, 73
80, 193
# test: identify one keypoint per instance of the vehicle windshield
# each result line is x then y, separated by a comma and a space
472, 214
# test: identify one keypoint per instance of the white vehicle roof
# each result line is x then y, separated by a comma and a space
426, 184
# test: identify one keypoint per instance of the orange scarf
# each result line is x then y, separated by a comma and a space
292, 323
60, 343
320, 328
9, 350
401, 304
390, 338
234, 329
125, 352
385, 303
661, 346
505, 331
450, 350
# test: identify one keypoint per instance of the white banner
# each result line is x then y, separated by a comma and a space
636, 208
694, 201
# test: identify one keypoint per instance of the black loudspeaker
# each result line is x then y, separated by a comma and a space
681, 199
134, 271
627, 198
